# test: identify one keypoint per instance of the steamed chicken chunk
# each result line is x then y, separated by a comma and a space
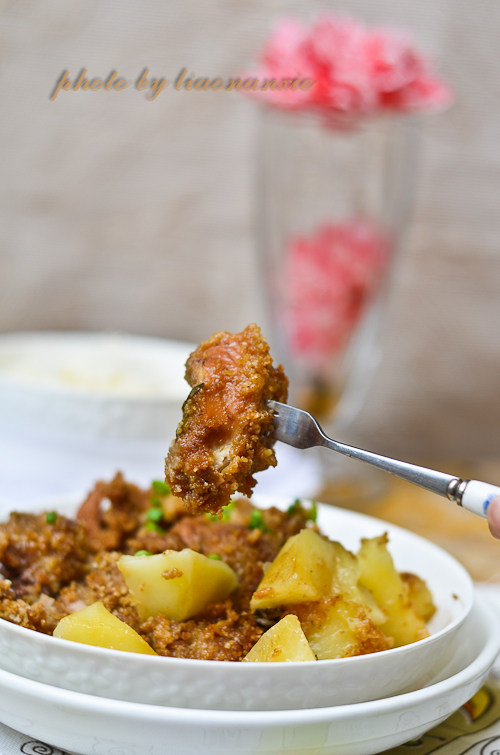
225, 435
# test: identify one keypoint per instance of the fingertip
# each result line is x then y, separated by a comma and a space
494, 517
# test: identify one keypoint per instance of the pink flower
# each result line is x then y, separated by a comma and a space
330, 276
357, 71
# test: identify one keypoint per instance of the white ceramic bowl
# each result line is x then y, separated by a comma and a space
252, 686
76, 407
93, 726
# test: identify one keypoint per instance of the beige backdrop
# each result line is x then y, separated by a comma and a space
119, 213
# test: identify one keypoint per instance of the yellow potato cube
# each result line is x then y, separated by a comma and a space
346, 583
176, 584
338, 628
370, 605
285, 641
302, 571
419, 595
346, 573
95, 625
379, 575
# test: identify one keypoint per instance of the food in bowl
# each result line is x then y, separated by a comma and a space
183, 681
196, 586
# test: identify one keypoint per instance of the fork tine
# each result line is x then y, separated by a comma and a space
295, 426
299, 429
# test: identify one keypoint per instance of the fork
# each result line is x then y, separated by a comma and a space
299, 429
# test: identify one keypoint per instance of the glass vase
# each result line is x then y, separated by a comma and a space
333, 202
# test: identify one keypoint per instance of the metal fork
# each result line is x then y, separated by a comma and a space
299, 429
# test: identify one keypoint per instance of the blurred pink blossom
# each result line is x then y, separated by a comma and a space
358, 71
330, 277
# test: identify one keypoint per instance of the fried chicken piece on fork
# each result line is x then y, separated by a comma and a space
225, 435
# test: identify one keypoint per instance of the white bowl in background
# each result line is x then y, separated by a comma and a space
91, 725
76, 407
218, 685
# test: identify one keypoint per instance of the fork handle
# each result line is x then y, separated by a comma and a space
477, 496
472, 495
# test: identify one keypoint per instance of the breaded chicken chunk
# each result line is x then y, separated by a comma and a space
225, 435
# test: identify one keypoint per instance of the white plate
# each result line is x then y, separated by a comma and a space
251, 686
91, 725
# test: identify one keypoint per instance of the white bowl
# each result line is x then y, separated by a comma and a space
220, 685
79, 406
93, 726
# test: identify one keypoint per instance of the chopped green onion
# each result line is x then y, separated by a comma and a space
225, 513
153, 527
160, 488
156, 502
51, 517
257, 521
294, 507
215, 556
312, 514
226, 510
154, 515
143, 553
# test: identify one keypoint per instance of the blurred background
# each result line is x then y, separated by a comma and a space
123, 214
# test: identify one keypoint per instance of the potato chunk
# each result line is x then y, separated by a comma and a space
176, 584
348, 604
338, 628
379, 575
419, 595
285, 641
310, 568
95, 625
346, 577
301, 572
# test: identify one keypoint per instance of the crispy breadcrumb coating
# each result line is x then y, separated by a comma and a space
225, 435
36, 592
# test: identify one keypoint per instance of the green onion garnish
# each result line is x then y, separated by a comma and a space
215, 556
143, 553
51, 517
257, 521
226, 510
160, 488
294, 507
153, 527
225, 513
154, 515
312, 514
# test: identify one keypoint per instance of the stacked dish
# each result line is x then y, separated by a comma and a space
134, 704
